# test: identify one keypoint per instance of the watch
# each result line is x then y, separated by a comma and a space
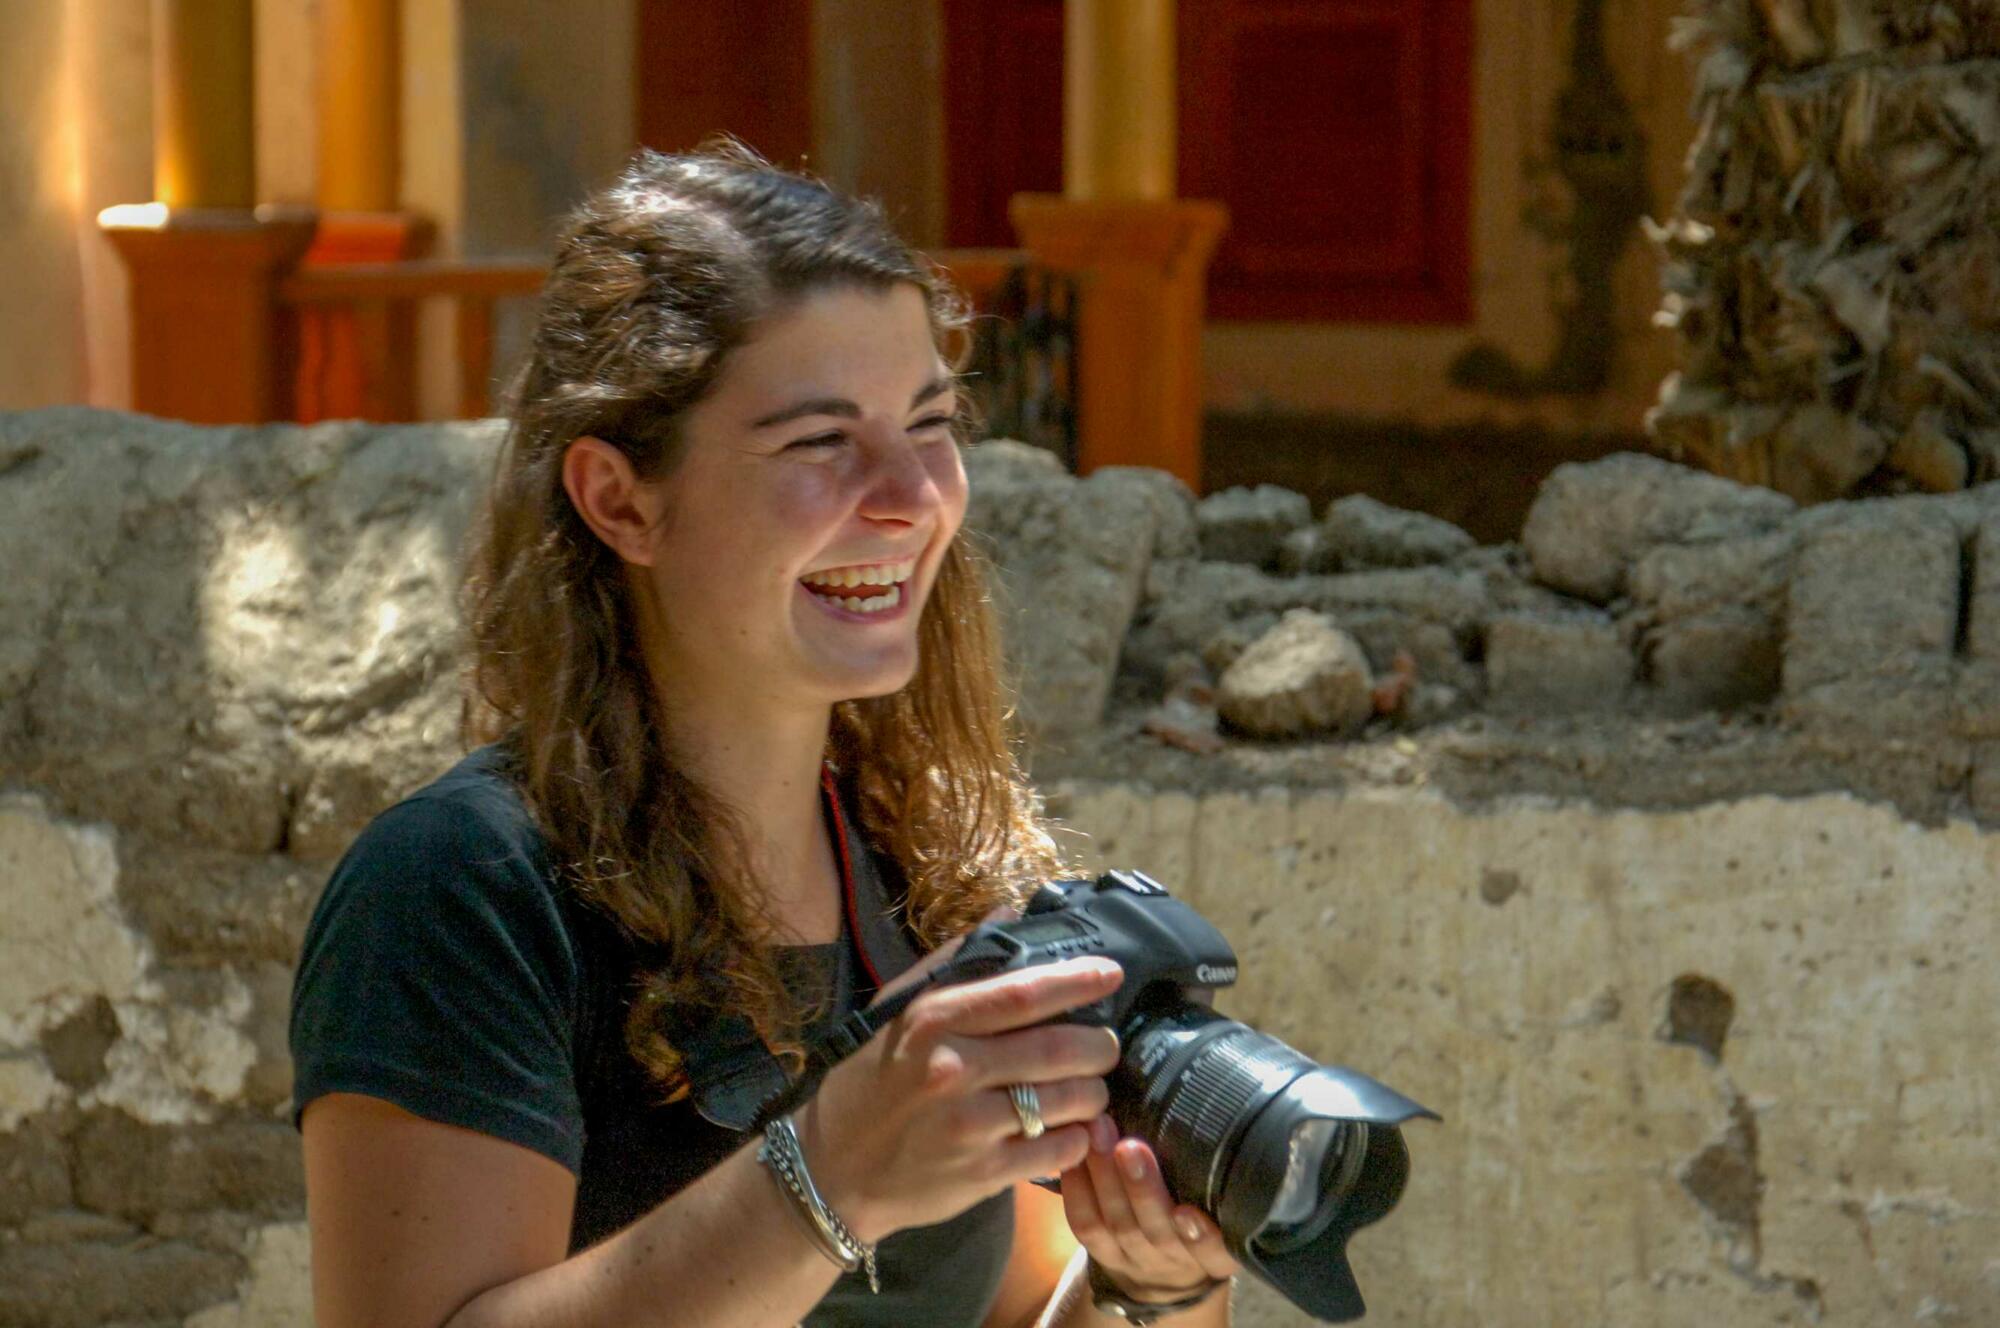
1105, 1296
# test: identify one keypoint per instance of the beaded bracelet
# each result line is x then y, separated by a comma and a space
780, 1152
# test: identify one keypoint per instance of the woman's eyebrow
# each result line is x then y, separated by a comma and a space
842, 406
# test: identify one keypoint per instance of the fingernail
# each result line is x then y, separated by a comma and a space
1103, 1134
1135, 1164
1189, 1227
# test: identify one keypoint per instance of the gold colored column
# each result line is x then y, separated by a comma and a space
203, 145
1118, 100
359, 92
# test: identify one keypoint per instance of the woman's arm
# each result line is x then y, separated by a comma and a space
416, 1224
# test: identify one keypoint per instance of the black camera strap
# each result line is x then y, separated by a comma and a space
734, 1079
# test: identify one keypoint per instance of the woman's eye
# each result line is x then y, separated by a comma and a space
820, 440
933, 422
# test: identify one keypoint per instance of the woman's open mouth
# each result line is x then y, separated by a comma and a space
869, 592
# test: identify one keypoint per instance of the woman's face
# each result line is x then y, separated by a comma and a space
823, 456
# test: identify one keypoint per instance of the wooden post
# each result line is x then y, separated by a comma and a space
203, 145
1141, 271
356, 364
208, 338
359, 130
1118, 99
1139, 255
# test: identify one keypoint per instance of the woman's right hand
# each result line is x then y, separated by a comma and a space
917, 1126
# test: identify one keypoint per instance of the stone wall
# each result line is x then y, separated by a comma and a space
1704, 1054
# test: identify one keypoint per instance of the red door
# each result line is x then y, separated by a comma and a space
1337, 131
708, 66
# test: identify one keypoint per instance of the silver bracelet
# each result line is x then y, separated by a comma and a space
780, 1152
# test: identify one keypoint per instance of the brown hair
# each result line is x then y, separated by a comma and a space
655, 280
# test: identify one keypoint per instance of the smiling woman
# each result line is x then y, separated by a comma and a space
745, 762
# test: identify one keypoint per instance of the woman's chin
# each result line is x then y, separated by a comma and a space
882, 674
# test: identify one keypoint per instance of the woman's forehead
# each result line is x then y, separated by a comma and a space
836, 342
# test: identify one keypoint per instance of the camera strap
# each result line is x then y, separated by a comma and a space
734, 1079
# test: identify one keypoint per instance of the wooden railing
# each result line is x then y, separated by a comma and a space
354, 354
1092, 347
356, 351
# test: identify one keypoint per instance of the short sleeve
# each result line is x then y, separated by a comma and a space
438, 973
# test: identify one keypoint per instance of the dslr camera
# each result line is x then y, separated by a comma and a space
1289, 1157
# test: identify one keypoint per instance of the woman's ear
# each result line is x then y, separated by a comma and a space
611, 498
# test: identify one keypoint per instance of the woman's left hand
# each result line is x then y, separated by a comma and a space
1119, 1210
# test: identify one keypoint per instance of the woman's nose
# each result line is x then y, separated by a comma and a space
899, 485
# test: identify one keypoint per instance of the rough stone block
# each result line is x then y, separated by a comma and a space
139, 1171
1305, 552
1976, 700
65, 940
277, 1291
1713, 619
1874, 594
1447, 596
1361, 532
369, 766
1303, 676
1982, 637
1072, 558
1982, 791
1438, 653
209, 603
1714, 661
1591, 520
1187, 604
1556, 665
211, 906
34, 1171
1871, 716
1680, 580
91, 1284
1227, 646
1173, 505
1245, 525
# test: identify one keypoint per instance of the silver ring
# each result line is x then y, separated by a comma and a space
1027, 1106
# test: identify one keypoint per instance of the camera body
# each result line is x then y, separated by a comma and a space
1167, 949
1290, 1157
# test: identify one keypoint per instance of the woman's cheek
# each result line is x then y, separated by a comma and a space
948, 474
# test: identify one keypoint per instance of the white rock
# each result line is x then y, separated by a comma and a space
1303, 676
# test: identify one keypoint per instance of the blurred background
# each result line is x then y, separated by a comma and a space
1642, 822
1423, 252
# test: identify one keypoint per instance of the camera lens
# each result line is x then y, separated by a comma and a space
1322, 1163
1290, 1157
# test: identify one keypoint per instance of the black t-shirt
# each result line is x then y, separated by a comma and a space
448, 971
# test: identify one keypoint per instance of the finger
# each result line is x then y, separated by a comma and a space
1146, 1192
1055, 1152
1085, 1218
1040, 1055
1068, 1102
939, 957
1203, 1239
1119, 1221
1015, 1000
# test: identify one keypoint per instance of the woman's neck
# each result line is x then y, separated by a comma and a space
766, 767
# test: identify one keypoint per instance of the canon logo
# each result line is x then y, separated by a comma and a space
1215, 975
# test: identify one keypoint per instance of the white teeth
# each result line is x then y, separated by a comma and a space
873, 604
888, 574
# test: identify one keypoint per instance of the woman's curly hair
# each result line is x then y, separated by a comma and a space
655, 280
